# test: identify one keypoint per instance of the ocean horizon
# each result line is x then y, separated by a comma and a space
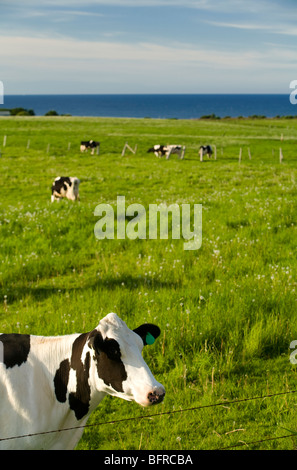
160, 106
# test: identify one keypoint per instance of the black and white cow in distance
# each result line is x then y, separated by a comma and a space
65, 186
205, 150
89, 144
165, 150
54, 383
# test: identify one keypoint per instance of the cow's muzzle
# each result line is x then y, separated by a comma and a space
157, 396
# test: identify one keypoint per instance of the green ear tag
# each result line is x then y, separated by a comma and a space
149, 339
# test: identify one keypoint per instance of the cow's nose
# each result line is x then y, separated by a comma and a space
157, 396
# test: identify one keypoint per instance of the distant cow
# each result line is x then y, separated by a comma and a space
65, 186
48, 384
89, 144
166, 150
205, 150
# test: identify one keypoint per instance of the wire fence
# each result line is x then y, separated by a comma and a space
237, 151
171, 412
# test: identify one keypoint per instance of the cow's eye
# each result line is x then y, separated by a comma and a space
112, 349
114, 355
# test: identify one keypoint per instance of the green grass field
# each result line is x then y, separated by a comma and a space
227, 311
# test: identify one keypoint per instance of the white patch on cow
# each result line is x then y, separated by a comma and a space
72, 383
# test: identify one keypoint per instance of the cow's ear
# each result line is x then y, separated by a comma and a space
96, 341
148, 333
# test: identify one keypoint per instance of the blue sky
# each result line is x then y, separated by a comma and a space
148, 46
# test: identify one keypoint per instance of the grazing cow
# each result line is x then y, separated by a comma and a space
159, 150
167, 150
205, 150
89, 144
65, 186
48, 384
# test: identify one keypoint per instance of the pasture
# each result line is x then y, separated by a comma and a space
227, 311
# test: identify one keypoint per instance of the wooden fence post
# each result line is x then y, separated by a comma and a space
183, 152
240, 152
280, 155
201, 155
124, 149
4, 140
169, 153
126, 146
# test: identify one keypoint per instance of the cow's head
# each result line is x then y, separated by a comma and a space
120, 369
73, 189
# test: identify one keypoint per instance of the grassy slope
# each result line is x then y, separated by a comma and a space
227, 311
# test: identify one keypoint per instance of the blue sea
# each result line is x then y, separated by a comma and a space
163, 106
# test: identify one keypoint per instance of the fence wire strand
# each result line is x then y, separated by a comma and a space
164, 413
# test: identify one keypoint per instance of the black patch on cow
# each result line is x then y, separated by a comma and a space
90, 143
142, 331
110, 367
158, 148
61, 183
16, 349
206, 148
61, 380
80, 400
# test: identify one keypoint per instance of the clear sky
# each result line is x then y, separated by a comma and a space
148, 46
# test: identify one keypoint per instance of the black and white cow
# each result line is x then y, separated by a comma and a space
165, 150
158, 150
54, 383
65, 186
205, 150
89, 144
